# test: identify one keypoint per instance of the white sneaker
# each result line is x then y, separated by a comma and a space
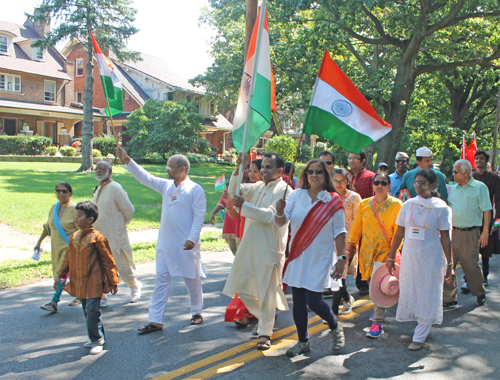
96, 349
135, 293
347, 309
104, 303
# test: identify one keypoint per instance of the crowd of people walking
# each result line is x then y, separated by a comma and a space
399, 235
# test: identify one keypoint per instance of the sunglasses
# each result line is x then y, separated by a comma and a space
317, 171
383, 183
455, 171
328, 162
62, 191
401, 161
420, 183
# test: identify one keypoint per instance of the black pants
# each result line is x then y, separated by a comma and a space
338, 296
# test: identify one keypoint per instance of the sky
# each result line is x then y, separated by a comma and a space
167, 29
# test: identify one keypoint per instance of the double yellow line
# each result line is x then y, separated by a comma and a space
281, 339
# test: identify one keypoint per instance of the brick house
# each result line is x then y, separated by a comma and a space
36, 88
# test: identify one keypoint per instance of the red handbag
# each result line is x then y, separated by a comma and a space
234, 309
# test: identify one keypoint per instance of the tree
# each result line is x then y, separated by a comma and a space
286, 146
166, 128
384, 47
111, 23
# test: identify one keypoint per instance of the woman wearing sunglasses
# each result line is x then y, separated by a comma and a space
60, 226
316, 214
373, 230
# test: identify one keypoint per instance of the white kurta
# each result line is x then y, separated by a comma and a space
262, 247
311, 270
115, 212
423, 264
181, 220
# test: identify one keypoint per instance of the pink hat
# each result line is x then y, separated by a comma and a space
384, 287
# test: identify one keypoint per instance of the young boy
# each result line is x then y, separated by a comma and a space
89, 259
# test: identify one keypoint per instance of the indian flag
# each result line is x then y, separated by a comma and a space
110, 83
257, 69
339, 112
220, 184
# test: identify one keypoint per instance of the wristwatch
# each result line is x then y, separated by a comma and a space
343, 257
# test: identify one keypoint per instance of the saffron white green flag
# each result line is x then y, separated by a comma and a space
110, 83
220, 184
340, 112
264, 98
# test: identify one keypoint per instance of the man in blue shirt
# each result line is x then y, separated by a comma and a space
401, 163
425, 160
470, 202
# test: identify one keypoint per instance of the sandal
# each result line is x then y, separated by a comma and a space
149, 328
264, 343
242, 322
298, 349
50, 306
338, 338
197, 319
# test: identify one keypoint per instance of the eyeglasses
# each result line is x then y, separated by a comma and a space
62, 191
420, 183
317, 171
383, 183
339, 182
328, 162
101, 169
401, 161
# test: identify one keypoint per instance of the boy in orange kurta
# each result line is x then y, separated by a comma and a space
89, 259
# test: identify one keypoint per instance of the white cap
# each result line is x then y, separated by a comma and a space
400, 155
424, 152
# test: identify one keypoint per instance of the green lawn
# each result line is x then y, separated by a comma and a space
21, 272
27, 191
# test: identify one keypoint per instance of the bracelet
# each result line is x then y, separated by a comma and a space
450, 264
390, 259
280, 216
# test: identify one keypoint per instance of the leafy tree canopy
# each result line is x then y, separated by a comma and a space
166, 128
286, 146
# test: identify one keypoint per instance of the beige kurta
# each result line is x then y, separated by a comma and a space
115, 212
262, 247
58, 245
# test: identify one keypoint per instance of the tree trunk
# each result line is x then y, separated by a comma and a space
88, 111
251, 16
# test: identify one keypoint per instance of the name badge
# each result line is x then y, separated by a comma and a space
417, 233
174, 199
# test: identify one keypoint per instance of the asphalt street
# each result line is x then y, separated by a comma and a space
38, 345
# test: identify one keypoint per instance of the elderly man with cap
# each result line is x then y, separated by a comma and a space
471, 209
115, 212
401, 162
383, 168
425, 160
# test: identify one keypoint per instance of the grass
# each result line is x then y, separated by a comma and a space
27, 191
21, 272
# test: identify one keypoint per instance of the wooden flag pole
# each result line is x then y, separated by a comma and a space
293, 164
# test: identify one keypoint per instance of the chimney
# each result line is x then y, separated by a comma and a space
41, 28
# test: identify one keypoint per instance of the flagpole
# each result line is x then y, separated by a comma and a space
252, 90
111, 118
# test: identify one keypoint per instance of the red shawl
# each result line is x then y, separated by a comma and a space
313, 223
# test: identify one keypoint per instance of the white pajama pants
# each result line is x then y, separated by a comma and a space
158, 302
125, 270
421, 332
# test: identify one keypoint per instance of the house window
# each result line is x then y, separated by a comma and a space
197, 102
188, 98
212, 108
170, 96
50, 91
79, 67
10, 83
37, 54
4, 45
125, 95
79, 97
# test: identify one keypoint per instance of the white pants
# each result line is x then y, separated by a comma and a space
421, 332
158, 302
125, 270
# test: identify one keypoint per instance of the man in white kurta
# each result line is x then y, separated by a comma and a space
115, 213
256, 272
178, 247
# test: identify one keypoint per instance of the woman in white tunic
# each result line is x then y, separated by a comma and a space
425, 223
316, 214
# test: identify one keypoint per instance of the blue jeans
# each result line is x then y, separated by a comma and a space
303, 298
92, 311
